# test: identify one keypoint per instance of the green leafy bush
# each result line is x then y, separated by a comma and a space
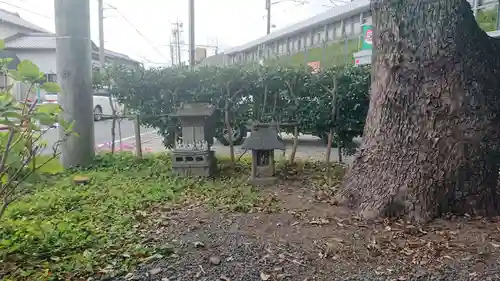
24, 155
352, 100
253, 93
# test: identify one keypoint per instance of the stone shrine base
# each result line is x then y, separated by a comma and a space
193, 163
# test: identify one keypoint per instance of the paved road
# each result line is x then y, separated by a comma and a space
102, 133
310, 147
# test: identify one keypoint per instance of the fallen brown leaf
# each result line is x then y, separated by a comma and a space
319, 222
264, 276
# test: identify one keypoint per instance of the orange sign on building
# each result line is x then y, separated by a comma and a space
315, 66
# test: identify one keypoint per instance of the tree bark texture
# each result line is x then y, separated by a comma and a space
431, 139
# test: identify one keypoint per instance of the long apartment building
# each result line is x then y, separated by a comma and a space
337, 24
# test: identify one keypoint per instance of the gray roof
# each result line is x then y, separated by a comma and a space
263, 138
194, 110
215, 60
31, 41
117, 55
15, 19
331, 15
47, 41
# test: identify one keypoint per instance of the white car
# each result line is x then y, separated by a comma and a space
102, 107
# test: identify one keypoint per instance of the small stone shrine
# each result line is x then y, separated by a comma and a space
262, 142
192, 154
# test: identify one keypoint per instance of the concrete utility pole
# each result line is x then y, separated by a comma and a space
74, 72
269, 4
102, 58
268, 8
192, 61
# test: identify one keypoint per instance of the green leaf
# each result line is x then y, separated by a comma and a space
29, 71
45, 118
50, 108
6, 122
16, 75
2, 44
67, 126
12, 114
51, 87
5, 99
34, 127
46, 165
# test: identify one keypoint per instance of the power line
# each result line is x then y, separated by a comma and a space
137, 30
26, 10
337, 3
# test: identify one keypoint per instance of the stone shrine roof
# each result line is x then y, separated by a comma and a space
265, 138
194, 110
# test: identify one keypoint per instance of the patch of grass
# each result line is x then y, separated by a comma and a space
68, 231
333, 54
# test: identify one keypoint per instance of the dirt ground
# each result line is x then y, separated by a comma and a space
299, 233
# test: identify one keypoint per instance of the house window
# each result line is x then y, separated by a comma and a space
356, 25
368, 20
51, 78
348, 27
331, 32
338, 30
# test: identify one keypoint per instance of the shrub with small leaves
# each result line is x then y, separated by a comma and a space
23, 123
251, 93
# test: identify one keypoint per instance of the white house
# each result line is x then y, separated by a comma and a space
40, 49
30, 42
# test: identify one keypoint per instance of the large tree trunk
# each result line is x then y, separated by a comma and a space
431, 138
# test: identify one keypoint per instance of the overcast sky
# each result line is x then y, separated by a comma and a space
226, 23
